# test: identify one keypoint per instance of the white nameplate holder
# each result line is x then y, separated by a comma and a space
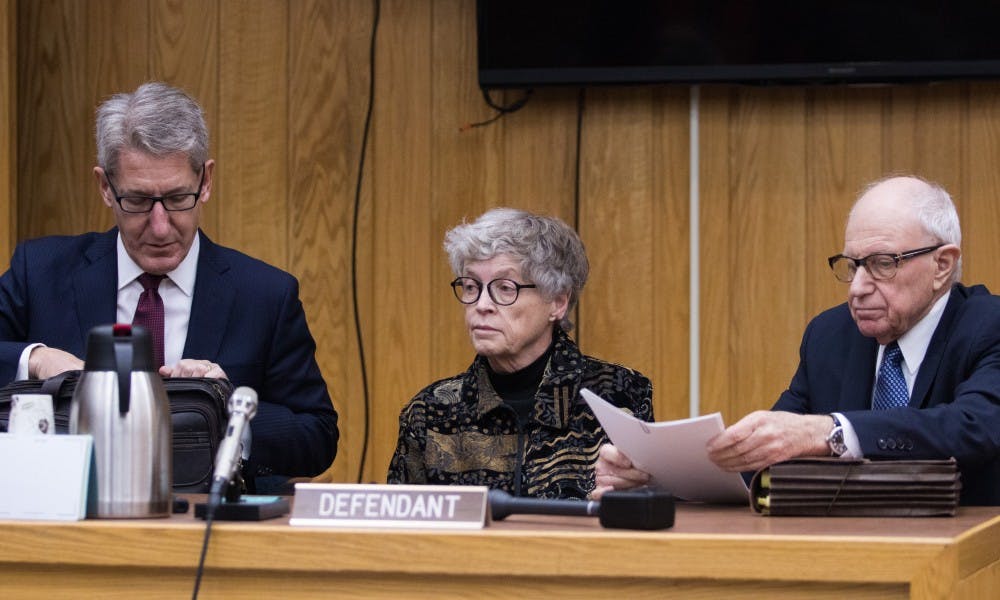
45, 477
379, 505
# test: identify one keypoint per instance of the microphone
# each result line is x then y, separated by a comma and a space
643, 508
242, 407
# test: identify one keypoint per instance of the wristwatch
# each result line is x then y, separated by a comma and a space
836, 438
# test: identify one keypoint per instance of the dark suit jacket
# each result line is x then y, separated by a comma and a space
955, 403
245, 315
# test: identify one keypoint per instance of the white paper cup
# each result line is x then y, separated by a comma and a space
31, 414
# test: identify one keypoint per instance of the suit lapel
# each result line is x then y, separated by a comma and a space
95, 285
211, 305
856, 392
936, 348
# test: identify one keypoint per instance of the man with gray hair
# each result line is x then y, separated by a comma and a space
908, 368
211, 311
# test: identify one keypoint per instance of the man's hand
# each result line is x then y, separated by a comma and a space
189, 367
764, 437
614, 471
45, 362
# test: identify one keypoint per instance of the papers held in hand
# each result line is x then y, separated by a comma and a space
672, 452
857, 488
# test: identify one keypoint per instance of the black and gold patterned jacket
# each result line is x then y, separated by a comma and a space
458, 431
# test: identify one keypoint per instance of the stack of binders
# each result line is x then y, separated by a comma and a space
857, 488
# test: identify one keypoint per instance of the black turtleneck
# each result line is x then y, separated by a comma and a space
518, 389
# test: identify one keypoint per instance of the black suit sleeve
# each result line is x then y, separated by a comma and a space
295, 430
13, 314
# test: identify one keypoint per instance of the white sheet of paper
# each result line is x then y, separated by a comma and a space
44, 477
673, 452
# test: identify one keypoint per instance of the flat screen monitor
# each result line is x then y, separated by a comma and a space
531, 43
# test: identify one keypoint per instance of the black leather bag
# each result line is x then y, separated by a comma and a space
197, 408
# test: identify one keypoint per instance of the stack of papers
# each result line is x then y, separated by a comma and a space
672, 452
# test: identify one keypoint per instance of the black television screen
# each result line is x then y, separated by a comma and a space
529, 43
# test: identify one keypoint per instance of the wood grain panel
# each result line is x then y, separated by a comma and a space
56, 183
323, 155
766, 217
405, 247
8, 126
119, 63
539, 153
252, 133
633, 222
466, 172
671, 253
617, 226
925, 133
979, 203
184, 52
843, 152
716, 248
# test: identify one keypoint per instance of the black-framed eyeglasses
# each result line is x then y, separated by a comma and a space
502, 291
881, 266
132, 203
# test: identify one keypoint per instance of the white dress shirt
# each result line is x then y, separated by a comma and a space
176, 290
913, 344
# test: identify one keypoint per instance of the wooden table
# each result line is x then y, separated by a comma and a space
712, 552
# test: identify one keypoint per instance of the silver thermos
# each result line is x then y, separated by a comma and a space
120, 400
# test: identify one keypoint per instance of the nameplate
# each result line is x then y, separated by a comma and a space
404, 506
44, 477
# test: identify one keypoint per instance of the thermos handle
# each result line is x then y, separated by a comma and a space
123, 363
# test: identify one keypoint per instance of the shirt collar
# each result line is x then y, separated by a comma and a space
183, 276
914, 343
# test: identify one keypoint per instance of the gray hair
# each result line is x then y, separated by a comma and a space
156, 119
550, 252
934, 209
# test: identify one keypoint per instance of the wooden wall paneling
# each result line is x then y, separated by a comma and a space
980, 208
671, 252
405, 245
466, 171
617, 226
844, 152
117, 60
323, 157
716, 248
538, 160
184, 51
926, 133
253, 129
8, 126
623, 219
358, 50
55, 118
539, 153
767, 217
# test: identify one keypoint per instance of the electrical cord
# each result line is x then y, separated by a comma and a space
214, 499
502, 109
376, 5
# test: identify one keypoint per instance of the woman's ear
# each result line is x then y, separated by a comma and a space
560, 304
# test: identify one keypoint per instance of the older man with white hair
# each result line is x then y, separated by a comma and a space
907, 368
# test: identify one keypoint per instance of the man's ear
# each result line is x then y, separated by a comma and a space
104, 188
945, 262
206, 187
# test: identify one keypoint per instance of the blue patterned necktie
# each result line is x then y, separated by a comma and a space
890, 389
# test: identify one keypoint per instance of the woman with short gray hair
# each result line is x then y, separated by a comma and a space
515, 420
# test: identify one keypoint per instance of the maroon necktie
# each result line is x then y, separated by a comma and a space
149, 313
